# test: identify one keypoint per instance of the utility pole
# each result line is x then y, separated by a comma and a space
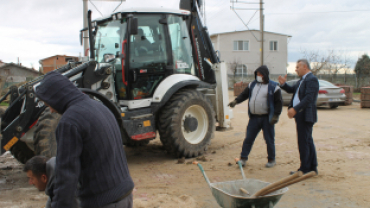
261, 28
246, 25
85, 33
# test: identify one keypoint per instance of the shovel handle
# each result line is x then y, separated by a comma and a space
299, 179
277, 183
244, 191
288, 183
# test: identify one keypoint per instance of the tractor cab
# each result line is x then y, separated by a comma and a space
144, 47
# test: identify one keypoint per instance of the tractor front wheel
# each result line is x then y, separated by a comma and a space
187, 124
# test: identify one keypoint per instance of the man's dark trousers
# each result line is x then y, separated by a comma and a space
126, 202
255, 124
306, 145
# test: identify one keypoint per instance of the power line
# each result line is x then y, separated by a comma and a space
287, 13
96, 8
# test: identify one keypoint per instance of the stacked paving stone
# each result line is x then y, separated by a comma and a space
239, 87
349, 94
365, 97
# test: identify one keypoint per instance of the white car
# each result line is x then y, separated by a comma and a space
329, 94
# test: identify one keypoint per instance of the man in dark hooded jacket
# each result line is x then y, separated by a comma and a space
264, 108
89, 148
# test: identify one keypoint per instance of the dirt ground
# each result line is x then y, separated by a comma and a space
342, 142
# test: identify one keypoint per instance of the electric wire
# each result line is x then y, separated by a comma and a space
252, 17
117, 6
96, 8
246, 25
289, 13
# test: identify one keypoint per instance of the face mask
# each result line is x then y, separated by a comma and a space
259, 79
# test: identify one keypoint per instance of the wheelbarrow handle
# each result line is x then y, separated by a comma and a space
204, 174
241, 169
237, 160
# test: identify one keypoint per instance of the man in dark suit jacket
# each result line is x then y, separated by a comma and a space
302, 107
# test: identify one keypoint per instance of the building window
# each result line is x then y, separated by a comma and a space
273, 45
241, 69
241, 45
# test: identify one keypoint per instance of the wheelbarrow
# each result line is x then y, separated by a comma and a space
251, 193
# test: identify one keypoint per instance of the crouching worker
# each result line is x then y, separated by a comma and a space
40, 173
264, 108
89, 148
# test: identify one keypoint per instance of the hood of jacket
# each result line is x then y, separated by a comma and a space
58, 91
265, 73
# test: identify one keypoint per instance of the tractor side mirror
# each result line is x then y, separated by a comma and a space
163, 21
134, 26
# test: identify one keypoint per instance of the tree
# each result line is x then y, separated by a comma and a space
362, 68
233, 66
330, 62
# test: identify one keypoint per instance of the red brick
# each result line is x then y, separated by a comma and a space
349, 96
365, 90
348, 102
365, 104
365, 97
347, 89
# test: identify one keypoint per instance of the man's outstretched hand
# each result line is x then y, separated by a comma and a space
232, 104
282, 80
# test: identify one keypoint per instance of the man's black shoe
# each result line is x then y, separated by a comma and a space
292, 172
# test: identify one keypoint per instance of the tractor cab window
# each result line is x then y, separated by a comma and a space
148, 56
181, 46
108, 42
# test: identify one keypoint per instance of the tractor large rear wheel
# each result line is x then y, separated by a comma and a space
186, 124
43, 138
22, 152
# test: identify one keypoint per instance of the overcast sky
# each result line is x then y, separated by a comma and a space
36, 29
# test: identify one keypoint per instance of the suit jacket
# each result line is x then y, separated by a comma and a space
308, 93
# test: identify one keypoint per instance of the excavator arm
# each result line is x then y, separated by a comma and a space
203, 51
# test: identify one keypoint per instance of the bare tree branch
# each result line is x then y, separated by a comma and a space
330, 62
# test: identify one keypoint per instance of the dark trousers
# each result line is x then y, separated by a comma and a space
306, 146
126, 202
255, 124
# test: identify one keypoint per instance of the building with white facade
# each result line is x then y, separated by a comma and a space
242, 49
